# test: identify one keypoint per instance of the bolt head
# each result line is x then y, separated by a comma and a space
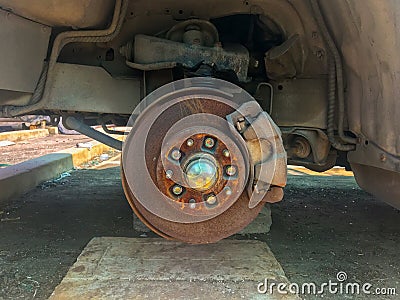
209, 142
230, 170
177, 190
228, 191
192, 203
176, 154
189, 142
226, 153
169, 174
211, 200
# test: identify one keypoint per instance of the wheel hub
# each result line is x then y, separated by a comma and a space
201, 171
185, 168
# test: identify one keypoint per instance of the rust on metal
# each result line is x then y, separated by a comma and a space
232, 204
166, 182
179, 134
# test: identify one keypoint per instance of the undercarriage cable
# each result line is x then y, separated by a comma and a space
335, 81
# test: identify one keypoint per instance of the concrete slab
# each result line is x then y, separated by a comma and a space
83, 155
128, 268
20, 178
52, 130
21, 135
335, 171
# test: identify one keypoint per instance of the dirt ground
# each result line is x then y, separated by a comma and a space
32, 148
323, 226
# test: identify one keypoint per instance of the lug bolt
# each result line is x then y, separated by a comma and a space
169, 174
176, 154
228, 191
211, 200
226, 153
192, 203
177, 190
230, 170
189, 142
209, 142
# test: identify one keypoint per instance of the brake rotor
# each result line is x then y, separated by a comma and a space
185, 169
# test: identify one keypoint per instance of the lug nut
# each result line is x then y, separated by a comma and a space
177, 190
176, 154
226, 153
192, 203
209, 142
230, 170
211, 200
228, 191
189, 142
169, 174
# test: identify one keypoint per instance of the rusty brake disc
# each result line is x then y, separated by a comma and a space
185, 168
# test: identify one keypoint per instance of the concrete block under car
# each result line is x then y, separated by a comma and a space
147, 268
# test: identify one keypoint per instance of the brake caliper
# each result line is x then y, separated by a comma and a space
267, 154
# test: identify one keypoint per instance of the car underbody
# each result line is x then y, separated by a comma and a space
219, 96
